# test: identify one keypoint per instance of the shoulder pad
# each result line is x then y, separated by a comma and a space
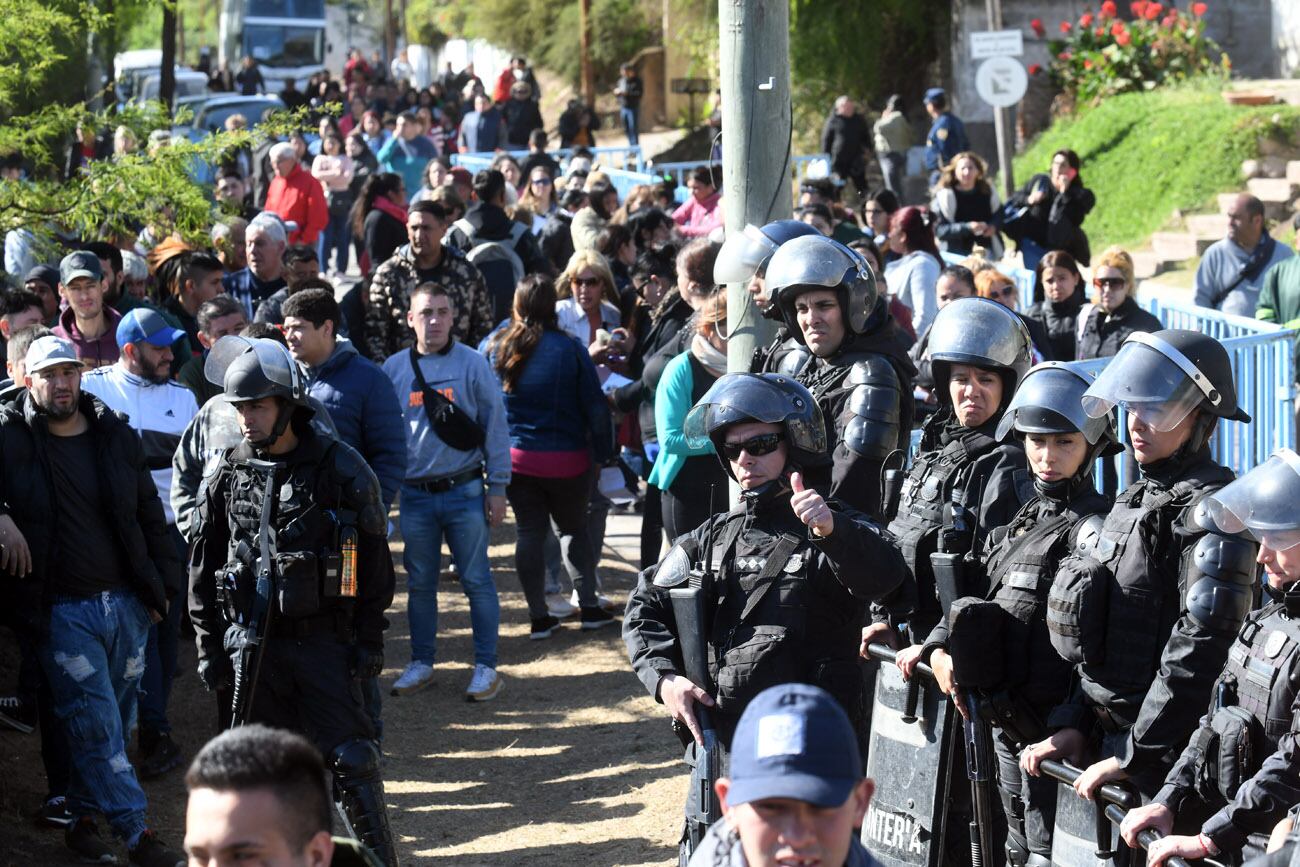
1220, 583
674, 569
360, 487
1201, 519
793, 361
873, 369
1087, 533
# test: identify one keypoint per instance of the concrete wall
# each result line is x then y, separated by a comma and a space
1286, 37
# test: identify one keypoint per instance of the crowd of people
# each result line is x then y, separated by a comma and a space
226, 429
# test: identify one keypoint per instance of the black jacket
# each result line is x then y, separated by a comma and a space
1060, 322
846, 139
1104, 333
1056, 222
639, 394
522, 117
131, 505
491, 224
383, 234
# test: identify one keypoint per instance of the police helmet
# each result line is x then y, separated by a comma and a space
747, 252
764, 397
1163, 376
1264, 503
814, 262
1048, 401
251, 368
982, 333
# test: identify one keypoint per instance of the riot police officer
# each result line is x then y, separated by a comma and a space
743, 259
1148, 604
999, 649
290, 575
780, 578
860, 373
964, 481
1226, 767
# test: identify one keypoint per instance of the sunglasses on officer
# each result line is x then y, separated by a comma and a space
757, 446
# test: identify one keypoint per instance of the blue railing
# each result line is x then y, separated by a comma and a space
800, 168
1263, 369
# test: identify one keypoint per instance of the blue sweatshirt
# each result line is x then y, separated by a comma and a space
463, 377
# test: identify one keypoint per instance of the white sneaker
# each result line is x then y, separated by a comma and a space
484, 685
601, 599
415, 677
558, 606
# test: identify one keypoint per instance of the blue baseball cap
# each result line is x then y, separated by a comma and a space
934, 93
147, 325
794, 741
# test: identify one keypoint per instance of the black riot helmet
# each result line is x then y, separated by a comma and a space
764, 397
1161, 377
816, 262
982, 333
253, 368
746, 253
1048, 401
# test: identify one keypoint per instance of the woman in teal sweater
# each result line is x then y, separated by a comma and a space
692, 480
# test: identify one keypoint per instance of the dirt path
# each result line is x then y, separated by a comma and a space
572, 764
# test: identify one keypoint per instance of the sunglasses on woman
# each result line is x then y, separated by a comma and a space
1005, 291
541, 182
1108, 282
757, 446
585, 281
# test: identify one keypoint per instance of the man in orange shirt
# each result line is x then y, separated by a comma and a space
296, 196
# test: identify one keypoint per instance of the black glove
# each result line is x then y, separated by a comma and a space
217, 673
367, 661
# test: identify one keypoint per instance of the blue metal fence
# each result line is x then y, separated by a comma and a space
801, 167
621, 156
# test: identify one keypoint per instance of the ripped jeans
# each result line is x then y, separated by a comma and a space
94, 658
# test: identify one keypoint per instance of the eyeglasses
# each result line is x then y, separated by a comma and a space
544, 182
1108, 282
1005, 291
585, 281
757, 446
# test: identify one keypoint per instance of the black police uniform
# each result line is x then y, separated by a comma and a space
787, 604
320, 635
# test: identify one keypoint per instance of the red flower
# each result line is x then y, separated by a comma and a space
1064, 57
1108, 9
1085, 20
1065, 26
1137, 8
1087, 64
1117, 28
1099, 32
1198, 9
1153, 11
1037, 26
1123, 38
1171, 19
1034, 69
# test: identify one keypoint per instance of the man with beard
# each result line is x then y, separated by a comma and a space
85, 533
140, 387
860, 373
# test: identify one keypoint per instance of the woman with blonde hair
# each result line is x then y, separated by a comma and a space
589, 304
1104, 326
993, 284
964, 204
692, 480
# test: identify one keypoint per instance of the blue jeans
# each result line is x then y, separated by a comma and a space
94, 657
458, 515
336, 236
629, 118
160, 657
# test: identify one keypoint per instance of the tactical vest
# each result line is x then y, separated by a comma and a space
1252, 703
304, 542
927, 491
1021, 568
772, 624
1114, 601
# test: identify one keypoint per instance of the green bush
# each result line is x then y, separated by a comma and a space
1145, 154
1102, 55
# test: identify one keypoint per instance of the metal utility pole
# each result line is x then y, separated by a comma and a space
755, 71
1002, 116
588, 84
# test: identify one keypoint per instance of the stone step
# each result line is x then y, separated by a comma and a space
1206, 225
1293, 172
1272, 189
1274, 208
1147, 263
1179, 246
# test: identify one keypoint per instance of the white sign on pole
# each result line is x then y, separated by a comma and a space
1001, 81
996, 43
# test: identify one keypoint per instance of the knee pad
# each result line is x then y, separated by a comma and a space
355, 760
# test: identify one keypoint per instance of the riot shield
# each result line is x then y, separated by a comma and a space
1074, 839
909, 759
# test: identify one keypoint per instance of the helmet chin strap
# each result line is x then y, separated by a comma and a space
282, 419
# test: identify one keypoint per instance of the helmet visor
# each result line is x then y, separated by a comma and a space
980, 332
1057, 390
742, 397
741, 256
811, 260
277, 364
1264, 503
1147, 384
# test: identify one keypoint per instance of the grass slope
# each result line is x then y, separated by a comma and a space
1145, 154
